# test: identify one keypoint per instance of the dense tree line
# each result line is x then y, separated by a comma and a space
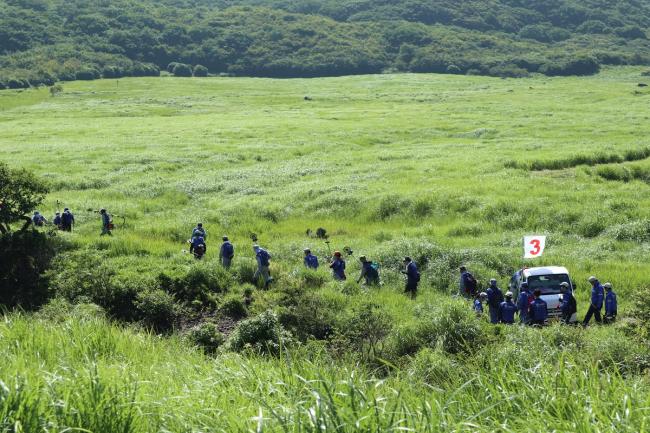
42, 41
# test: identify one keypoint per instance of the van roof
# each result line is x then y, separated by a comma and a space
546, 270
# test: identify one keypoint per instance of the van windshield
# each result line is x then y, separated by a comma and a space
548, 284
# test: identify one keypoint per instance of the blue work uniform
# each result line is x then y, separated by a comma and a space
611, 305
538, 311
338, 269
311, 261
507, 310
597, 296
495, 297
522, 306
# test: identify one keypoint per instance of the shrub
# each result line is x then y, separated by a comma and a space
453, 327
233, 306
508, 71
263, 334
182, 70
171, 66
199, 284
640, 311
435, 368
244, 270
87, 74
636, 231
84, 276
593, 27
364, 330
207, 337
24, 257
200, 71
59, 310
590, 227
614, 172
111, 72
390, 206
581, 65
312, 278
314, 316
55, 90
157, 310
631, 32
16, 83
535, 32
612, 349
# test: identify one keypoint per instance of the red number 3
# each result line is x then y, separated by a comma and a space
536, 247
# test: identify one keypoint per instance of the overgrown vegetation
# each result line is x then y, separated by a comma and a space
389, 165
43, 41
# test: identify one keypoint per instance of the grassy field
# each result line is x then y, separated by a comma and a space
447, 169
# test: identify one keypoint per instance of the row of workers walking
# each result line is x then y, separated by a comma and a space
65, 221
369, 270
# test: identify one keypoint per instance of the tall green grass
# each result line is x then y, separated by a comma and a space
85, 373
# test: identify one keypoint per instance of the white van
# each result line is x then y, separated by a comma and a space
547, 279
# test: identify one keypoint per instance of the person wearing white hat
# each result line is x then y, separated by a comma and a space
507, 310
611, 304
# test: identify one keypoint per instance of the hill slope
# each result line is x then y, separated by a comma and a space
45, 40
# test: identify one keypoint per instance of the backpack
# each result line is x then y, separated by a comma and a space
470, 283
228, 250
264, 257
312, 262
373, 271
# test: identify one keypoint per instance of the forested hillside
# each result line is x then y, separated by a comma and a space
42, 41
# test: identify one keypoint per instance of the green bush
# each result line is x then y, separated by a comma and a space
87, 74
312, 316
636, 231
198, 286
452, 326
364, 329
640, 312
24, 257
390, 206
157, 310
590, 227
233, 306
435, 368
312, 278
244, 270
59, 310
182, 70
614, 172
207, 337
200, 71
263, 334
631, 32
612, 349
593, 27
83, 276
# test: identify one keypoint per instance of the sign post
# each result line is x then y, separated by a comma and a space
534, 246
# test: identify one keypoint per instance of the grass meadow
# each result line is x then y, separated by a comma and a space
448, 169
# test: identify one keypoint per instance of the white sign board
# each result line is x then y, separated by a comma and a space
534, 246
